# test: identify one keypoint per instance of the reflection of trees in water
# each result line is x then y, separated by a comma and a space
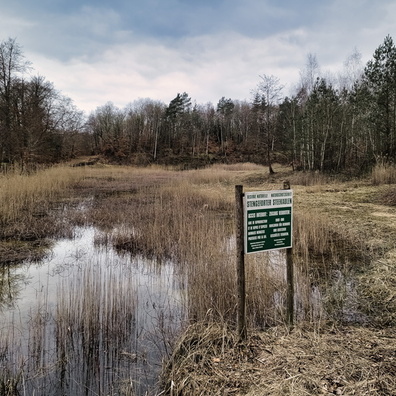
11, 284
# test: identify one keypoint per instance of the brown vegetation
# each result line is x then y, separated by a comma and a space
208, 360
344, 257
31, 211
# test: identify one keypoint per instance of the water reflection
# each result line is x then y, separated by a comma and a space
87, 321
10, 286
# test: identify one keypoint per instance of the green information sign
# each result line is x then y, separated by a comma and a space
268, 220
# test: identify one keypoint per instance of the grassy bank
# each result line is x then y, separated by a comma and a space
209, 360
24, 195
27, 215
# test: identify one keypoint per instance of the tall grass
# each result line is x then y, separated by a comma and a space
187, 217
183, 217
310, 178
95, 328
23, 195
190, 220
383, 173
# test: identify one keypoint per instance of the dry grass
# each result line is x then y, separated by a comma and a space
383, 173
310, 179
27, 217
181, 222
208, 360
23, 195
387, 197
188, 217
377, 287
222, 173
190, 369
312, 234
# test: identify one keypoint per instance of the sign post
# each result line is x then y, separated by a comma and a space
264, 221
241, 318
289, 277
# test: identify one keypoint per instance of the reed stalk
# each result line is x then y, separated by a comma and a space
23, 195
383, 173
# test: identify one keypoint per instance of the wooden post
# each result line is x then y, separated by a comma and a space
289, 277
240, 257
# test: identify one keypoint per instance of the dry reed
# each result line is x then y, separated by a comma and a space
209, 360
188, 217
377, 289
190, 220
69, 349
310, 178
95, 327
387, 197
383, 173
23, 195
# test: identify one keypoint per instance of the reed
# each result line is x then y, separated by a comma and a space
208, 359
377, 290
383, 173
30, 211
313, 235
95, 327
220, 174
69, 348
311, 178
387, 196
188, 218
24, 195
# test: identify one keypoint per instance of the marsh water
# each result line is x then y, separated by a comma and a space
87, 320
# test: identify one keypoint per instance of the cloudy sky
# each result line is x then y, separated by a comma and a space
95, 51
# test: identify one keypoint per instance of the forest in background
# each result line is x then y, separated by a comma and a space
344, 123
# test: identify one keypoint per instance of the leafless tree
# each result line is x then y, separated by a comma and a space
270, 88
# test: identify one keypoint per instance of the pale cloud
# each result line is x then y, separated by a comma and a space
17, 25
96, 52
207, 67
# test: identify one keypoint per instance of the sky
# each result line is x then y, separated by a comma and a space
119, 51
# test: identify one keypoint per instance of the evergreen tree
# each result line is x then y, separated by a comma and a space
380, 85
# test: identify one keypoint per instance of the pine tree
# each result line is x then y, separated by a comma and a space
380, 81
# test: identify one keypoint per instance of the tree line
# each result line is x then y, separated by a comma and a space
333, 123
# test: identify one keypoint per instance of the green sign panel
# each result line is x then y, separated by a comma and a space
268, 220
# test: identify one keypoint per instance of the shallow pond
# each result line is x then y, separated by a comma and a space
87, 320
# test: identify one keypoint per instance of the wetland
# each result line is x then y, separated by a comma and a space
122, 281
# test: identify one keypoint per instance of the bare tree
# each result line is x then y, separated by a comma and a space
269, 89
352, 72
12, 62
309, 74
107, 127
